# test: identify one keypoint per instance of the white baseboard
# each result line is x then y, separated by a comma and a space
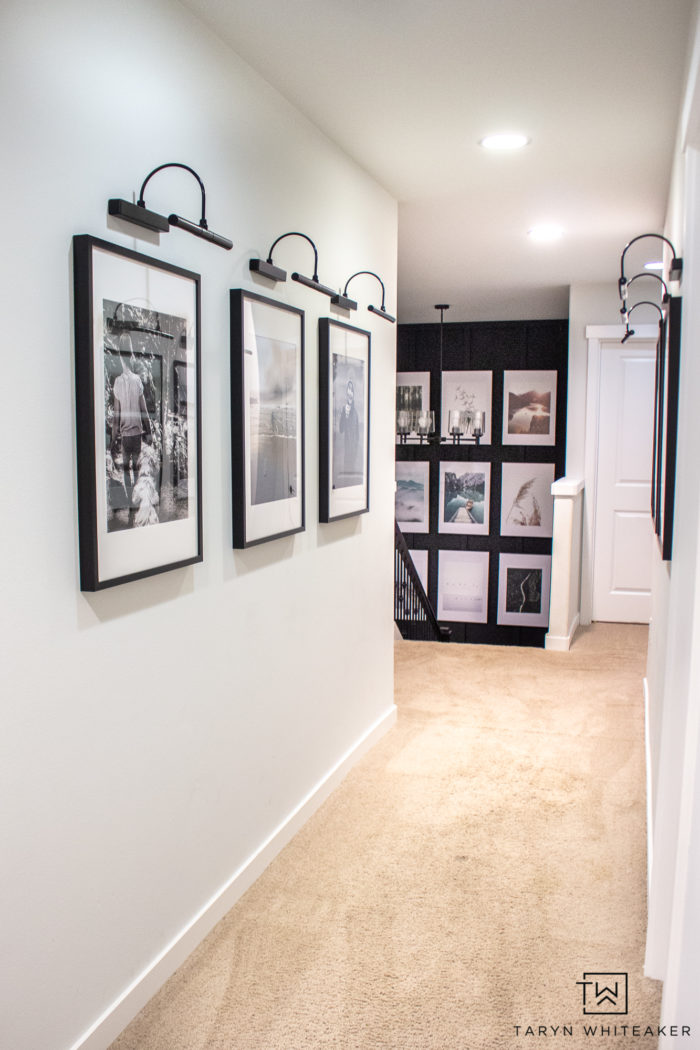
561, 643
650, 811
117, 1016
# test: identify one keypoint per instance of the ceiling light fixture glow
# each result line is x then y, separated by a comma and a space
545, 232
504, 141
654, 265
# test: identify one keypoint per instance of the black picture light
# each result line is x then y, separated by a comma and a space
626, 316
266, 267
151, 220
345, 303
675, 270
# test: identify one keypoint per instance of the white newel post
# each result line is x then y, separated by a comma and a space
565, 595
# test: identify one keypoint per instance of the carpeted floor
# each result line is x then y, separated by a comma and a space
481, 859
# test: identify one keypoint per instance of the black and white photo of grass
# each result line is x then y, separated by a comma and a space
524, 590
527, 504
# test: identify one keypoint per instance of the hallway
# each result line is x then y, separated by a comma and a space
482, 858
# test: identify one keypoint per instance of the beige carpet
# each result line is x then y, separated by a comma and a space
485, 855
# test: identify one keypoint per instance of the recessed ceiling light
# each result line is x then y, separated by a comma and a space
504, 140
654, 266
546, 231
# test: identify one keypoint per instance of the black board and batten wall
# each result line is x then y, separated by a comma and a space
497, 347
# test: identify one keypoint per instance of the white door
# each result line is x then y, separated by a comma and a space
623, 532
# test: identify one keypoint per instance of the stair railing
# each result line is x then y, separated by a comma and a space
413, 613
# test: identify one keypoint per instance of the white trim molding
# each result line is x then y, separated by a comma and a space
118, 1015
565, 588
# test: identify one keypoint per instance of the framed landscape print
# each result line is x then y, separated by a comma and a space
412, 496
463, 586
527, 504
523, 589
529, 408
267, 418
412, 395
137, 366
465, 492
344, 388
468, 393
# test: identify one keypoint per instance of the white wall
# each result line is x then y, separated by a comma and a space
155, 735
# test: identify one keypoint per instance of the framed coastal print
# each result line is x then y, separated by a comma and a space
412, 510
412, 397
463, 586
523, 589
137, 367
267, 418
467, 393
344, 388
465, 490
527, 504
529, 408
420, 562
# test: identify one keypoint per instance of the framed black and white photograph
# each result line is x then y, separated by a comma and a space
466, 394
267, 418
412, 398
137, 365
463, 586
666, 416
465, 493
412, 509
523, 589
344, 389
529, 407
527, 504
420, 561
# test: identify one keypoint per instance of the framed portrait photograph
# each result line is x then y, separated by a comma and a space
467, 393
463, 586
527, 503
344, 389
529, 407
267, 418
465, 492
412, 397
412, 499
137, 368
523, 589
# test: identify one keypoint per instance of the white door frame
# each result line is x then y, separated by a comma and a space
597, 334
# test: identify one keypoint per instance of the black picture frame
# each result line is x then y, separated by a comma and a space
139, 458
267, 419
666, 429
344, 362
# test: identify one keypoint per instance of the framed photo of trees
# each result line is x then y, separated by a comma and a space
137, 367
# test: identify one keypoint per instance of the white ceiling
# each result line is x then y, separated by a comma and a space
408, 87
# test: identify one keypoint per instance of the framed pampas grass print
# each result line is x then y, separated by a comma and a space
527, 504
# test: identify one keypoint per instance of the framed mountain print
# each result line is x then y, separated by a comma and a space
529, 407
344, 389
137, 366
412, 499
267, 418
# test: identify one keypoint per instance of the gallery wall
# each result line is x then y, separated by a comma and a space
507, 359
159, 737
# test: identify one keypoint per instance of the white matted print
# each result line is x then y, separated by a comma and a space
527, 504
420, 562
412, 393
463, 586
465, 490
529, 407
468, 392
523, 589
412, 501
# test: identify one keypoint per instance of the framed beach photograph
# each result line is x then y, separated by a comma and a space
465, 491
529, 408
527, 504
523, 589
267, 418
412, 510
463, 586
344, 389
467, 393
137, 367
412, 397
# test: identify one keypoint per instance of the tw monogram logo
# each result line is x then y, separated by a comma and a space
604, 993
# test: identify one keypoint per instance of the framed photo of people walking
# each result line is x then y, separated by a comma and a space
137, 367
344, 392
267, 418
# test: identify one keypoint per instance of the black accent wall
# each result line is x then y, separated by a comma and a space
496, 346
